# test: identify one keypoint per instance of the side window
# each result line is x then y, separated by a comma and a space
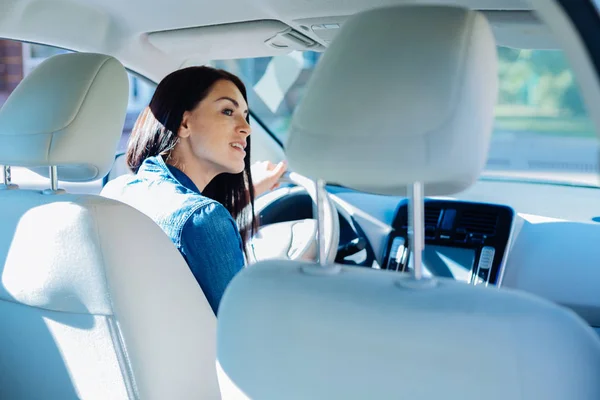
17, 60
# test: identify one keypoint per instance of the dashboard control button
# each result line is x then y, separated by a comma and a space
484, 266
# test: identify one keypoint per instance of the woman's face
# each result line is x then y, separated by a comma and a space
217, 130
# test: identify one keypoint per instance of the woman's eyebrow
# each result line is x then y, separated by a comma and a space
235, 103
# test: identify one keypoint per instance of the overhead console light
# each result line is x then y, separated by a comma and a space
293, 40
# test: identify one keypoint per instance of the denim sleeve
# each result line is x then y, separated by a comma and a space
212, 247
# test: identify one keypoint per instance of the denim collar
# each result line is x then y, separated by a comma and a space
156, 167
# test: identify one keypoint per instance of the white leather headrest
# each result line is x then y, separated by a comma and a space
68, 112
403, 94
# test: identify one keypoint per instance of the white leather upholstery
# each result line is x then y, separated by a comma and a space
402, 94
399, 97
68, 112
369, 334
95, 301
119, 168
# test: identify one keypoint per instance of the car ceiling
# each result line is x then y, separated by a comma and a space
121, 28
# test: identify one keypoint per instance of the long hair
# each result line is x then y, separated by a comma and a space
155, 133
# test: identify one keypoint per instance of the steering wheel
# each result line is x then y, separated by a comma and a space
297, 240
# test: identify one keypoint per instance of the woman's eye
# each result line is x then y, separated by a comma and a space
228, 112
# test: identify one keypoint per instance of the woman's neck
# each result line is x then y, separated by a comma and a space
182, 158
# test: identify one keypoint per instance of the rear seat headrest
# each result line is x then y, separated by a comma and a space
69, 112
403, 94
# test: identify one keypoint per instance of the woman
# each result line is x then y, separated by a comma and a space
190, 152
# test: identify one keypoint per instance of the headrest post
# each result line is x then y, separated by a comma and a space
7, 185
54, 178
53, 169
7, 176
416, 227
321, 200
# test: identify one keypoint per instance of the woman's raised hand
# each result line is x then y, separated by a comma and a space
266, 175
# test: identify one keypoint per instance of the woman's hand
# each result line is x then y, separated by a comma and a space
265, 175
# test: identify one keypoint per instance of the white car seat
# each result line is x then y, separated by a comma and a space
95, 301
402, 95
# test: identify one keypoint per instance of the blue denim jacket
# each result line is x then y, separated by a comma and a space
201, 228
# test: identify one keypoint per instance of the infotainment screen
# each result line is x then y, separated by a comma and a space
450, 262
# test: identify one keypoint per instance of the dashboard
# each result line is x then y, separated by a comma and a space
553, 245
465, 241
538, 238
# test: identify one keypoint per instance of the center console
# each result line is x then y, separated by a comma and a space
465, 241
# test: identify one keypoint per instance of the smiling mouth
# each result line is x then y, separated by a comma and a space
238, 146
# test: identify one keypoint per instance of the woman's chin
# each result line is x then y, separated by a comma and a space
235, 169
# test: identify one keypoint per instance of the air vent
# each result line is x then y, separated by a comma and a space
482, 222
432, 215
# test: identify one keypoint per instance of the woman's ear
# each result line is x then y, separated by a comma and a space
184, 130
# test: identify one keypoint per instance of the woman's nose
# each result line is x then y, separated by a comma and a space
244, 127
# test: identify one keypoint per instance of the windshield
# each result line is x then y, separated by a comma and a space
541, 132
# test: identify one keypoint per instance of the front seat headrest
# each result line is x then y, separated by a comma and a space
69, 112
403, 94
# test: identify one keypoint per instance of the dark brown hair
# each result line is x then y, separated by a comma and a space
155, 133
